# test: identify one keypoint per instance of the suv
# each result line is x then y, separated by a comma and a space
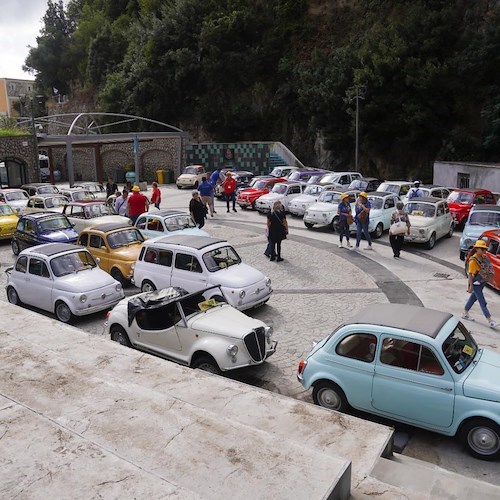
461, 202
481, 218
191, 176
195, 262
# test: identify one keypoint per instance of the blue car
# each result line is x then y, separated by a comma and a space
42, 227
413, 365
481, 218
167, 223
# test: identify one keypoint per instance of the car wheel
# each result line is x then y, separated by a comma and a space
449, 234
481, 438
118, 276
253, 205
309, 225
119, 335
378, 230
13, 297
147, 286
335, 224
63, 312
179, 187
432, 241
15, 247
330, 395
207, 364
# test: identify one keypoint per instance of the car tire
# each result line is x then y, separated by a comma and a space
309, 225
147, 286
253, 205
335, 224
13, 297
118, 334
207, 364
432, 241
449, 234
63, 312
15, 247
481, 438
378, 231
329, 395
179, 187
118, 276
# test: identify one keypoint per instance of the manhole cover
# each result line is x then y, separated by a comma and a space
441, 275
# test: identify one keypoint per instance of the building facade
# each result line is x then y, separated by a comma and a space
11, 91
467, 175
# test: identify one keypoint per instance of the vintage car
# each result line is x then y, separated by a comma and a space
305, 175
461, 202
40, 188
366, 184
312, 192
243, 179
247, 197
16, 198
382, 206
8, 221
87, 213
433, 191
430, 220
413, 365
283, 171
44, 203
399, 188
77, 194
284, 192
61, 278
166, 223
340, 179
195, 262
200, 330
115, 246
42, 227
96, 188
325, 211
191, 176
492, 239
481, 218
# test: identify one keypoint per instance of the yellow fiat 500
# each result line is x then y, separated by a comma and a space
8, 221
116, 245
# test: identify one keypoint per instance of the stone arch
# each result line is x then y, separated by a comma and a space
13, 172
156, 159
114, 160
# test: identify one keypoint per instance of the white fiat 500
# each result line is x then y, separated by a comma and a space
299, 205
196, 262
61, 278
200, 329
284, 192
325, 211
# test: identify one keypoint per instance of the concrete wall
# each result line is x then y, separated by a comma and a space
484, 175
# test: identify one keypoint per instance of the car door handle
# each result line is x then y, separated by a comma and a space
448, 389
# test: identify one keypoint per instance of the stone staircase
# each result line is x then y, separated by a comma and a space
275, 160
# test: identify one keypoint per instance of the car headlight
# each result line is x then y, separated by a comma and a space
118, 287
232, 350
421, 231
324, 215
269, 334
242, 294
132, 267
83, 298
468, 242
268, 282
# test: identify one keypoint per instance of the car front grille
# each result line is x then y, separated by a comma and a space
255, 342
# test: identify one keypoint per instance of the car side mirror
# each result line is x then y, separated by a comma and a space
97, 259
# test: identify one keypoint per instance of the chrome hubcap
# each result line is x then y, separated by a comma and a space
329, 399
484, 440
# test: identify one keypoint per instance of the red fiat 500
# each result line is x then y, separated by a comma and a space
247, 197
461, 202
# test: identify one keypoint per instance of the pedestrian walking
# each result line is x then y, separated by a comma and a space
207, 194
344, 212
362, 219
278, 229
229, 186
137, 204
400, 224
156, 195
197, 209
480, 273
121, 203
111, 187
215, 180
415, 191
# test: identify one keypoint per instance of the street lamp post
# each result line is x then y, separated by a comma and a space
356, 152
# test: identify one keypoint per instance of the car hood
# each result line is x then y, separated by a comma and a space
187, 176
84, 281
417, 221
224, 320
254, 192
322, 207
269, 197
188, 230
475, 231
126, 253
483, 381
61, 236
304, 198
237, 276
459, 207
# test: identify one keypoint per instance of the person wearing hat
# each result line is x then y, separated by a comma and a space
344, 212
229, 186
415, 191
137, 204
476, 282
362, 219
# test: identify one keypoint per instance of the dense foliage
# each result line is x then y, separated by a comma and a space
425, 72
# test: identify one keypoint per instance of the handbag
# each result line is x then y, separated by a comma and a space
398, 227
362, 216
349, 219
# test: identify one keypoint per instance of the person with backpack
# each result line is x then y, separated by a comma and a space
480, 273
415, 191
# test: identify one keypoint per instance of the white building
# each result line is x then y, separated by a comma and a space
465, 175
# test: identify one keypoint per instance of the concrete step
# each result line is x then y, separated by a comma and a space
430, 480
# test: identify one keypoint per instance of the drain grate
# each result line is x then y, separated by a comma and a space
441, 275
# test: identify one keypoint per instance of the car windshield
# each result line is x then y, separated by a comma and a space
18, 195
421, 209
278, 172
190, 170
329, 197
258, 185
72, 262
485, 219
55, 202
178, 222
312, 190
6, 210
376, 202
54, 224
460, 348
221, 258
97, 210
389, 188
47, 190
461, 197
200, 302
330, 179
358, 184
125, 238
279, 189
82, 195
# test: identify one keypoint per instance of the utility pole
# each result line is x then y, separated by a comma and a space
356, 152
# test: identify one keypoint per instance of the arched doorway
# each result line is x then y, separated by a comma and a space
12, 172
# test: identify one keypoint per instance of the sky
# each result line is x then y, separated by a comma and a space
20, 24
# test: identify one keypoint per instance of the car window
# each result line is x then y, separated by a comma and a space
459, 348
83, 239
480, 199
159, 318
126, 237
389, 203
77, 212
96, 241
38, 268
359, 346
178, 222
72, 262
154, 224
151, 256
403, 191
420, 209
22, 264
410, 356
29, 226
141, 223
376, 202
344, 179
187, 262
484, 218
440, 210
493, 247
490, 199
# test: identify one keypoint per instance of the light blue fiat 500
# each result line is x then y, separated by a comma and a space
414, 365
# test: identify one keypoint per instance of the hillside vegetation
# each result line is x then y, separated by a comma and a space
227, 70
